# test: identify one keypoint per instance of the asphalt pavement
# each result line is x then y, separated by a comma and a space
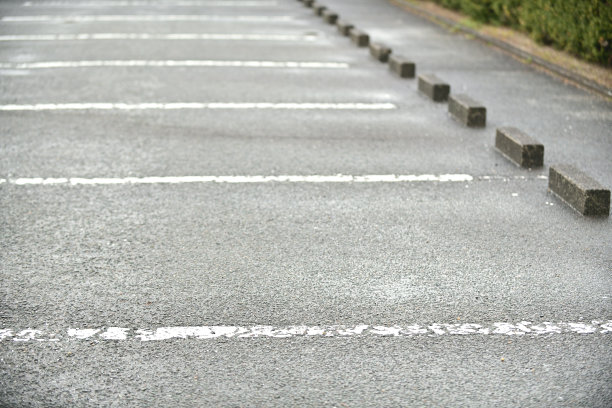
228, 203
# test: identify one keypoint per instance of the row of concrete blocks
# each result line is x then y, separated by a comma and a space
573, 186
462, 107
576, 188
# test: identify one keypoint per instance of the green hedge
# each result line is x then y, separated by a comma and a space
582, 27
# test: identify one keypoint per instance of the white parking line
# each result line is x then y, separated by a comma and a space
198, 105
174, 63
523, 328
146, 36
178, 3
139, 18
339, 178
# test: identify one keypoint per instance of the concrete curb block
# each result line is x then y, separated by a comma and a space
579, 190
344, 27
380, 52
330, 17
434, 87
519, 147
576, 78
319, 9
468, 111
401, 66
358, 37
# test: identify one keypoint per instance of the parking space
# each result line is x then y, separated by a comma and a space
258, 169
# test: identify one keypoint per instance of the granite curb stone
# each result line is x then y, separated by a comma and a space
467, 110
401, 66
344, 27
380, 52
434, 87
319, 9
330, 17
579, 190
358, 37
519, 147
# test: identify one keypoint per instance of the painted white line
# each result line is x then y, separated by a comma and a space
197, 105
523, 328
506, 178
340, 178
140, 18
145, 36
174, 63
179, 3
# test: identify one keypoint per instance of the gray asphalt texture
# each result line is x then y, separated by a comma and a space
295, 254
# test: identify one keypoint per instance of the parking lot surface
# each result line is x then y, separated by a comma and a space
228, 203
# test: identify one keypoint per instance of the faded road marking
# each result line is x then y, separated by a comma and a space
173, 63
339, 178
523, 328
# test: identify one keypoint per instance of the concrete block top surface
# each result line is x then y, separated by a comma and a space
518, 136
380, 52
434, 87
432, 79
402, 66
466, 100
330, 16
400, 59
380, 47
577, 177
355, 32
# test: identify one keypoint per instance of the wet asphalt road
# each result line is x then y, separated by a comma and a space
497, 248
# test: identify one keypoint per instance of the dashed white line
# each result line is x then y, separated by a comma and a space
146, 36
523, 328
140, 18
174, 63
340, 178
198, 105
179, 3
